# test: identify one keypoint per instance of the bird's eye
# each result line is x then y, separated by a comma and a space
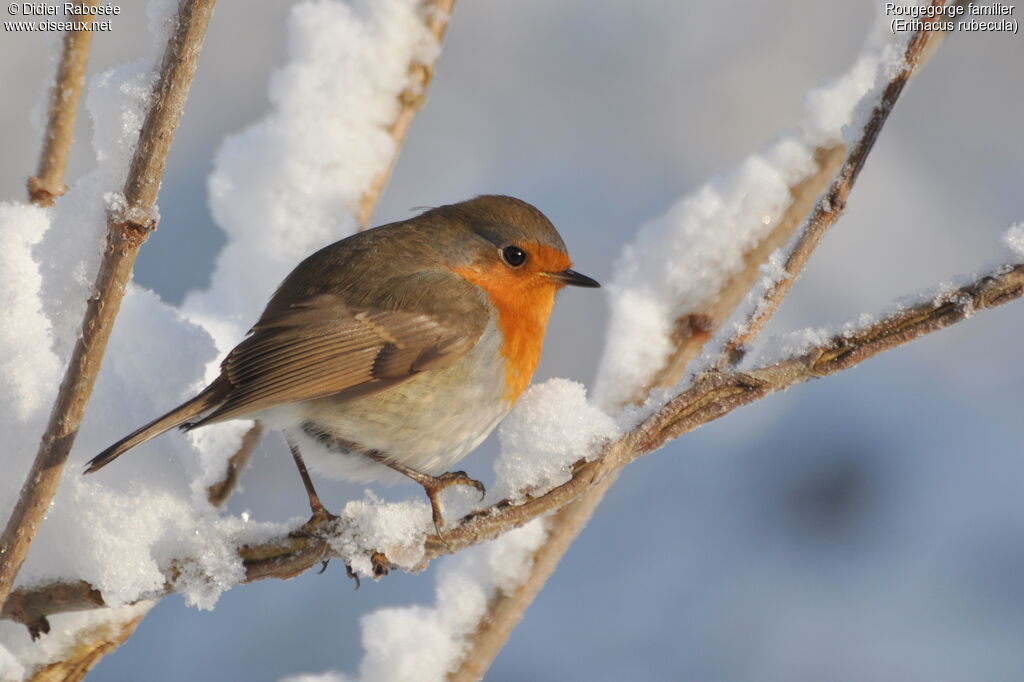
513, 255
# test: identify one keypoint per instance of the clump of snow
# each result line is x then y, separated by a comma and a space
28, 369
552, 427
680, 260
10, 667
1014, 239
427, 642
396, 528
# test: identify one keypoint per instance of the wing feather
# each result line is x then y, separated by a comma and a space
321, 347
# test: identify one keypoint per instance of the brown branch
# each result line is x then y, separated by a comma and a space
127, 229
833, 203
91, 646
48, 182
711, 396
695, 329
436, 15
219, 492
691, 333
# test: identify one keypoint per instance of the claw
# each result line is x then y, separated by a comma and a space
433, 485
352, 574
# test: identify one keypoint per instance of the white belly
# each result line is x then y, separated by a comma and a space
427, 423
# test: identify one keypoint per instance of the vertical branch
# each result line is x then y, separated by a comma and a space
833, 203
438, 13
48, 182
127, 229
506, 610
695, 329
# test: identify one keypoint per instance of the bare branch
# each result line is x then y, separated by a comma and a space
711, 396
219, 492
126, 231
48, 182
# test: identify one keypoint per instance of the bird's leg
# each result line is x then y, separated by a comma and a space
432, 485
320, 513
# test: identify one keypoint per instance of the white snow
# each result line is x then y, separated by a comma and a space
552, 427
426, 642
681, 259
1014, 239
20, 655
291, 183
281, 189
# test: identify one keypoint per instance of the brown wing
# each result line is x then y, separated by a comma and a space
321, 347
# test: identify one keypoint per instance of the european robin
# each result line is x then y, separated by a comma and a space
397, 349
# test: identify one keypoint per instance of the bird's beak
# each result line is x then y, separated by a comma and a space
573, 278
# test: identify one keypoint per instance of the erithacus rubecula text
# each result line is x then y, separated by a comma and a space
397, 349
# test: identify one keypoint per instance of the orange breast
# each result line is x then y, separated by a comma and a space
523, 298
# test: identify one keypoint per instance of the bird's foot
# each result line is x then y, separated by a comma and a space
433, 485
319, 524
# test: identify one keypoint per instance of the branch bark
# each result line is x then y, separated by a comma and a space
48, 182
692, 332
438, 13
833, 203
711, 396
127, 229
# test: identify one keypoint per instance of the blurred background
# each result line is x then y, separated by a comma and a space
866, 527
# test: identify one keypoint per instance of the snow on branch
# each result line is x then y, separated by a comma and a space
662, 315
712, 395
129, 222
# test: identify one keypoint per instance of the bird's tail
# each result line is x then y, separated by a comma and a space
209, 398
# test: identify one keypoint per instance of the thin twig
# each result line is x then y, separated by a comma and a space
437, 14
695, 329
833, 203
48, 182
219, 492
711, 396
127, 229
692, 332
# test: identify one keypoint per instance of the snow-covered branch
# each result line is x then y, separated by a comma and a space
833, 203
712, 395
688, 310
130, 220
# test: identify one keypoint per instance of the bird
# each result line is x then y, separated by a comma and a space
394, 352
